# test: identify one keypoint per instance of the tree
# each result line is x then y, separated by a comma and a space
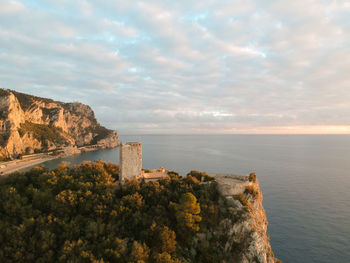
167, 240
139, 252
187, 212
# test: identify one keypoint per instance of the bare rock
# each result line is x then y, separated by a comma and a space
249, 231
29, 123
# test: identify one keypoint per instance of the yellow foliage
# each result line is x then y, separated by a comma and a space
187, 212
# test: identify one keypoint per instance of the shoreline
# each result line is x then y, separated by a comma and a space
17, 165
13, 166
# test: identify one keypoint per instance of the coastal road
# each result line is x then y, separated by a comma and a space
14, 166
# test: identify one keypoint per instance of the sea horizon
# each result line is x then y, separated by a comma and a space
298, 175
222, 87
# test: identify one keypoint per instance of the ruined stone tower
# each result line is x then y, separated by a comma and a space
130, 161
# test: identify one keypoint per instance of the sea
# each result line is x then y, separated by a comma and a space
305, 181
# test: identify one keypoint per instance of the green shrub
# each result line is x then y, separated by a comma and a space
47, 113
80, 214
42, 132
101, 132
252, 177
26, 100
201, 176
3, 92
173, 175
196, 174
3, 139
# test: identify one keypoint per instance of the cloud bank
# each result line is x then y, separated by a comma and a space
185, 67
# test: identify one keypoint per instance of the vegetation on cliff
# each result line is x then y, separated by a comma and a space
26, 100
80, 214
101, 132
42, 132
31, 124
3, 139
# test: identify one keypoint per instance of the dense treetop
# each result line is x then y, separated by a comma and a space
81, 214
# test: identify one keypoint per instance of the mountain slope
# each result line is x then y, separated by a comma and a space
31, 124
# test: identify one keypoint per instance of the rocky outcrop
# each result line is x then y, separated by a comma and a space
245, 230
110, 141
32, 124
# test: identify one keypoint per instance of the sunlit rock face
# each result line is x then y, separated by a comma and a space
246, 228
31, 124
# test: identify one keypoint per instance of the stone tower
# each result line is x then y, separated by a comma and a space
130, 161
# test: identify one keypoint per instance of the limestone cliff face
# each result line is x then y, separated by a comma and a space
31, 124
245, 231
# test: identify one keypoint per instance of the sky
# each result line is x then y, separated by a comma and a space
165, 67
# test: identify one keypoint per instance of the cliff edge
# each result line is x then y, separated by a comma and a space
30, 124
245, 230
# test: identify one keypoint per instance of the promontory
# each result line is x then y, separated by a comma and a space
30, 124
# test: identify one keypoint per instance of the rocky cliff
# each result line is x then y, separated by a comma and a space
31, 124
244, 231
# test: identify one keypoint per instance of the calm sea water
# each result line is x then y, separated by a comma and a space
305, 180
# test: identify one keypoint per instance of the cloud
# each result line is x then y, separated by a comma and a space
10, 8
177, 67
